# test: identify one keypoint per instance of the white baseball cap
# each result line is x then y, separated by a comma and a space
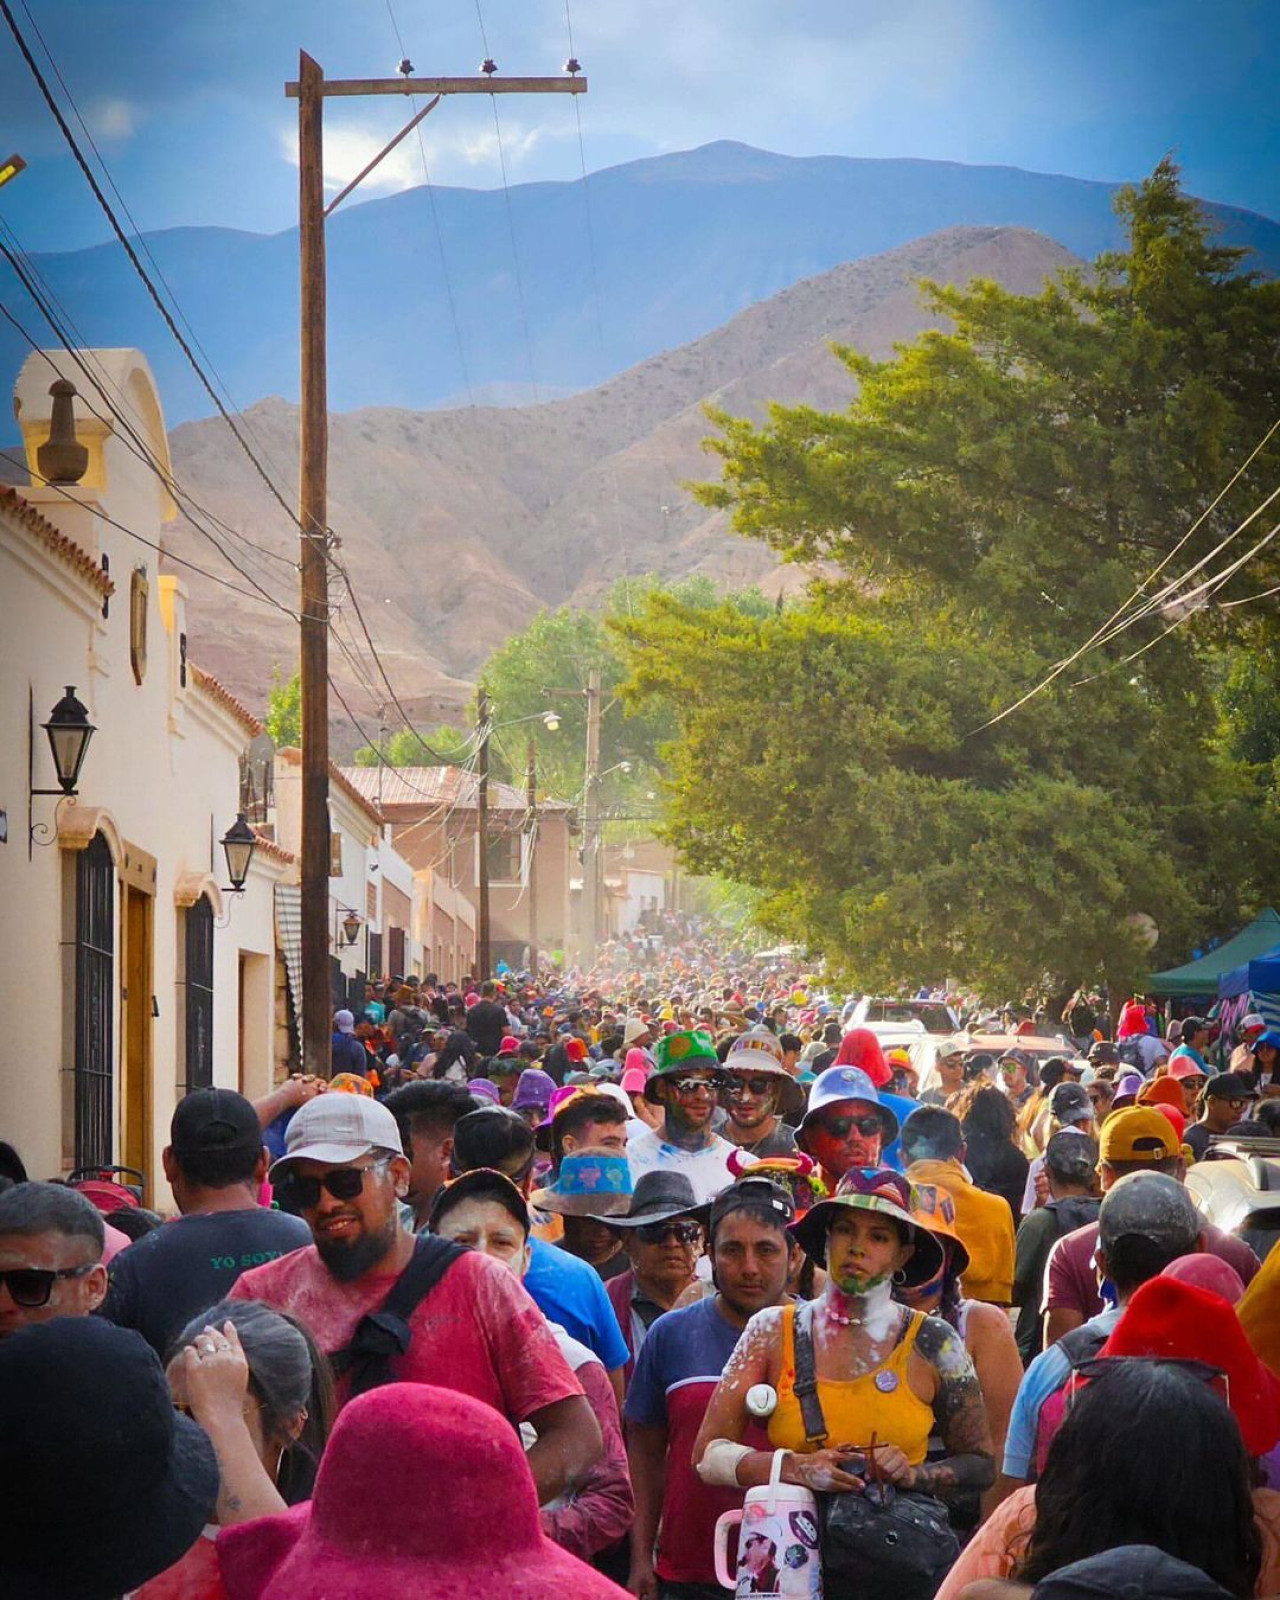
337, 1128
636, 1028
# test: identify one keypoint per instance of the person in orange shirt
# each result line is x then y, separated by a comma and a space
933, 1150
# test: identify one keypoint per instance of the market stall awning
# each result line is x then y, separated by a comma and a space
1253, 977
1196, 978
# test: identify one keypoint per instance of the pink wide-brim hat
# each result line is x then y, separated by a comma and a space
452, 1459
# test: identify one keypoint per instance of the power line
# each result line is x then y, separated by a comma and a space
138, 233
132, 254
611, 463
143, 540
131, 439
435, 221
511, 225
1119, 621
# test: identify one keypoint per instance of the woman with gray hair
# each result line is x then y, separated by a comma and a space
256, 1383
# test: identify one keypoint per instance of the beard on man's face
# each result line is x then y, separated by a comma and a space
348, 1259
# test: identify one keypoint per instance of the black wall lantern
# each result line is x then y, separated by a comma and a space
347, 923
69, 731
238, 844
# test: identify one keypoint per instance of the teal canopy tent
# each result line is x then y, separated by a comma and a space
1200, 978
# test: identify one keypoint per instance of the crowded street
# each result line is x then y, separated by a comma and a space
639, 800
731, 1291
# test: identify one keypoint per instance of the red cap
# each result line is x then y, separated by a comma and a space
1176, 1320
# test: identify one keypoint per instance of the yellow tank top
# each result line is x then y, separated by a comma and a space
880, 1403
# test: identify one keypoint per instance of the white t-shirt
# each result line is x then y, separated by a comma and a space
707, 1169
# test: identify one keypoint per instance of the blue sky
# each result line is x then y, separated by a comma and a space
185, 99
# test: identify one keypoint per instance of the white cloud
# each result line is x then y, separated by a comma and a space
347, 149
112, 119
465, 152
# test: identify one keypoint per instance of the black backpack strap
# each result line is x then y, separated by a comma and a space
1081, 1344
806, 1384
384, 1334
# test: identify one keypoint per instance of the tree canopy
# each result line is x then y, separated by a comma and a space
997, 491
545, 668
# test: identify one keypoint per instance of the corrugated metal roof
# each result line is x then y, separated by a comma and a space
428, 787
289, 940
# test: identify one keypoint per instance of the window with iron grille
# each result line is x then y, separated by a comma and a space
95, 1004
198, 994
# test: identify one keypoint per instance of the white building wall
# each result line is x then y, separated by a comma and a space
160, 781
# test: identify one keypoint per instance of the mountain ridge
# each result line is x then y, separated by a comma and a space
679, 243
458, 526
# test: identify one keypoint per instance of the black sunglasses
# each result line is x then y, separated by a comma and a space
660, 1232
759, 1087
30, 1287
839, 1127
343, 1183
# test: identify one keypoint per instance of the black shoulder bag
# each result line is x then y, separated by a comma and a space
895, 1544
384, 1334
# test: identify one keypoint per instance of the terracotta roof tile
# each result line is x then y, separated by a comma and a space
206, 682
66, 550
277, 852
366, 801
427, 788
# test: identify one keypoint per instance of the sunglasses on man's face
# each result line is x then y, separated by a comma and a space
757, 1087
689, 1088
659, 1232
840, 1127
30, 1287
343, 1183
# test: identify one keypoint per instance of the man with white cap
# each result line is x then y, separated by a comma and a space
758, 1094
346, 1052
1251, 1027
472, 1327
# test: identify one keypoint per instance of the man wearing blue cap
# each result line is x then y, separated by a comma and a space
846, 1124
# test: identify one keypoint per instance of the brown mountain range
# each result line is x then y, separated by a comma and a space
457, 526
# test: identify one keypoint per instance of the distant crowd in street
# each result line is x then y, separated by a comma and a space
678, 1276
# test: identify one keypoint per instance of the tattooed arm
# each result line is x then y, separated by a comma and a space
960, 1414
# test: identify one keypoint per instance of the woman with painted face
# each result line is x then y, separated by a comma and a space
861, 1381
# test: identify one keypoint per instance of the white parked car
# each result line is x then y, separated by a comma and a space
933, 1015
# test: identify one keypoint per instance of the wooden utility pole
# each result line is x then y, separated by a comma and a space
484, 960
591, 821
313, 519
310, 92
531, 807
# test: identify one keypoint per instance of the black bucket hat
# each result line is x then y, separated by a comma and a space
109, 1484
659, 1196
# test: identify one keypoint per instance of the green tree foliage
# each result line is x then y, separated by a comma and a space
995, 493
545, 668
284, 710
404, 748
1250, 700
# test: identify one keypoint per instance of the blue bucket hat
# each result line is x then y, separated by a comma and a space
846, 1083
590, 1183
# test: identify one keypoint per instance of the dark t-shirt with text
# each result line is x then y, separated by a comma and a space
178, 1270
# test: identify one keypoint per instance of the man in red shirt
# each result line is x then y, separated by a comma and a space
1136, 1139
344, 1172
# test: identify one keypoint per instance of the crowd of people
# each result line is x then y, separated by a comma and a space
658, 1281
